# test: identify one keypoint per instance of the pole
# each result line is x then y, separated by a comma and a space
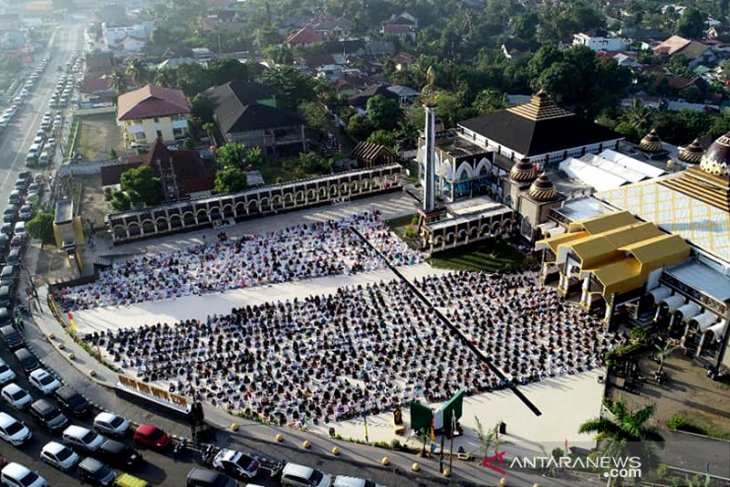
365, 419
441, 457
451, 447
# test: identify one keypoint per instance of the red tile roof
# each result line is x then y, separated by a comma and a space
671, 46
398, 29
92, 85
305, 35
151, 101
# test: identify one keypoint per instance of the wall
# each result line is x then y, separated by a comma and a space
149, 127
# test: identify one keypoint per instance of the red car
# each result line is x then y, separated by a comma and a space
151, 436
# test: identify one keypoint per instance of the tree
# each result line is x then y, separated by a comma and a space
120, 201
626, 433
359, 127
488, 101
560, 82
662, 353
230, 179
312, 163
691, 24
232, 154
639, 116
41, 227
290, 85
383, 113
388, 138
316, 117
165, 77
137, 70
118, 81
202, 108
210, 129
221, 71
142, 186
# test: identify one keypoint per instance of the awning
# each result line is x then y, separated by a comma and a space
556, 231
704, 320
717, 330
689, 311
673, 302
659, 293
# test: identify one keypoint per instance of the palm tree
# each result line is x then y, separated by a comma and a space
118, 81
165, 77
626, 434
639, 116
137, 71
662, 354
209, 128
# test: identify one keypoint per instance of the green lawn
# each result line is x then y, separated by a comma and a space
488, 255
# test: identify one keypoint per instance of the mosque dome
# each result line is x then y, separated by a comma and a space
542, 189
651, 142
716, 159
692, 153
522, 171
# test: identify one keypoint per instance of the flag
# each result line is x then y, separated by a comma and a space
72, 323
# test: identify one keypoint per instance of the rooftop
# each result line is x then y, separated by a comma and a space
702, 277
151, 101
702, 224
458, 147
64, 211
581, 208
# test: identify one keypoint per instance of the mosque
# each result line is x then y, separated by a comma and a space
647, 241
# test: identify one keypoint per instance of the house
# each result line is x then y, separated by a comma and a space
678, 83
695, 52
379, 49
345, 47
333, 28
114, 35
404, 93
98, 86
202, 54
131, 44
600, 40
368, 154
152, 112
401, 26
360, 100
403, 60
183, 173
304, 37
244, 113
399, 31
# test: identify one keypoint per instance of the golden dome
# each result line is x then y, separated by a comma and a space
522, 171
651, 142
542, 189
692, 153
716, 159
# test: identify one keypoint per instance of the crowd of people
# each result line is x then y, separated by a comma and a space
364, 349
298, 252
529, 332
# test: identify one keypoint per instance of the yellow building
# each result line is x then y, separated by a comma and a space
609, 256
151, 112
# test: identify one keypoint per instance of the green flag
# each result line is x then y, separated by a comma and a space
453, 406
420, 417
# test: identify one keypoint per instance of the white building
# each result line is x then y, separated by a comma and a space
600, 40
115, 35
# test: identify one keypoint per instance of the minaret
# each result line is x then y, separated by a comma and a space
429, 104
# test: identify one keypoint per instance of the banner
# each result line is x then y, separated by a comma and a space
421, 417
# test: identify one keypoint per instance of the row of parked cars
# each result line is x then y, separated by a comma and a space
43, 148
64, 88
9, 113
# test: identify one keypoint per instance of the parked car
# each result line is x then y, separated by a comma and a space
127, 480
111, 424
26, 213
19, 229
118, 454
72, 401
6, 295
152, 437
6, 373
345, 481
17, 475
16, 396
301, 476
236, 464
42, 380
13, 431
82, 438
94, 472
48, 414
203, 477
13, 339
27, 360
59, 456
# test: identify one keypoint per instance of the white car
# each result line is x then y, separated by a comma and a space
111, 424
300, 476
16, 396
345, 481
6, 373
44, 381
59, 456
236, 464
13, 431
83, 438
16, 475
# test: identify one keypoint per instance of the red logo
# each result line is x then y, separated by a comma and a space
487, 462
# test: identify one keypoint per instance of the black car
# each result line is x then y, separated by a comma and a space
27, 360
203, 477
94, 472
12, 338
4, 316
118, 454
72, 401
48, 414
